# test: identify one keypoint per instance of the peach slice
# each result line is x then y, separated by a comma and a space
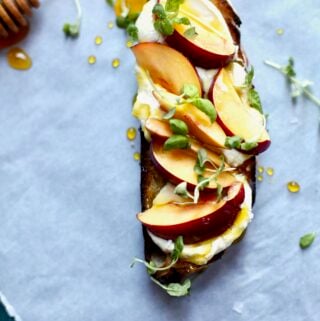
166, 66
212, 46
234, 115
178, 166
161, 130
196, 222
198, 123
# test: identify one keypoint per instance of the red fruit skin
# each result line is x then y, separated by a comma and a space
204, 228
198, 56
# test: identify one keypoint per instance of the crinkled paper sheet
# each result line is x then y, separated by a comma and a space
69, 187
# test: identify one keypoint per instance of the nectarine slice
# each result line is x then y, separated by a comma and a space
166, 66
198, 123
212, 46
196, 222
234, 116
178, 166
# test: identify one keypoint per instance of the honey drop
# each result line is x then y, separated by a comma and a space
129, 43
131, 133
270, 171
280, 31
98, 40
136, 156
110, 25
92, 60
260, 178
115, 63
260, 169
18, 59
293, 187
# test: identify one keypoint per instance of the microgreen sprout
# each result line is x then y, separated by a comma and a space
152, 267
298, 87
73, 29
175, 289
200, 169
166, 17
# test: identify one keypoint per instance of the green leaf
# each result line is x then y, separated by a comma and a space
176, 142
173, 5
190, 32
190, 91
158, 11
198, 169
307, 240
179, 290
254, 100
202, 156
181, 21
133, 32
178, 127
249, 77
178, 248
169, 114
175, 289
152, 269
124, 22
110, 2
233, 142
247, 146
71, 30
206, 107
164, 26
181, 190
289, 68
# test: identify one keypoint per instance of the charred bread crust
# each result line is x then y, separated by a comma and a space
152, 181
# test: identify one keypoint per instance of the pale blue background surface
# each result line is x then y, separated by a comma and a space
69, 187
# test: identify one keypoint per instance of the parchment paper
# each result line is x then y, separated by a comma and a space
69, 187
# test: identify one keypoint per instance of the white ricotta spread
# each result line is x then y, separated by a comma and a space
206, 76
234, 158
146, 30
201, 253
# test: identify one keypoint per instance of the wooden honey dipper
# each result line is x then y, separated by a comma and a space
14, 24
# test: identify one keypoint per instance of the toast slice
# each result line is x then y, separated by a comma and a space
152, 180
